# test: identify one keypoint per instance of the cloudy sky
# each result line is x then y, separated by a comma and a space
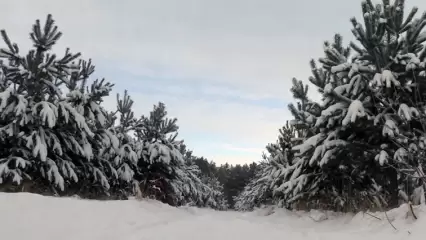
222, 67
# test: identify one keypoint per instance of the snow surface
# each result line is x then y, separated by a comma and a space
27, 216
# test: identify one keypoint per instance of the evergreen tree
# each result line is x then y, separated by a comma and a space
56, 136
47, 136
363, 149
161, 163
122, 148
153, 162
210, 189
271, 172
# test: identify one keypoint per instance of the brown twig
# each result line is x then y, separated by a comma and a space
412, 210
373, 216
390, 221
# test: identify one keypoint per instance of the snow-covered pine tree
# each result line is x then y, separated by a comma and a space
307, 183
48, 137
258, 190
270, 174
160, 159
387, 79
98, 173
368, 141
213, 195
210, 190
122, 152
163, 169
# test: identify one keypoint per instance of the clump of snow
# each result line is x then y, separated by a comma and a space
356, 109
386, 78
340, 68
382, 158
390, 128
407, 112
328, 88
29, 216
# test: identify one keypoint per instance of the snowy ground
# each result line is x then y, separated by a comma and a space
33, 217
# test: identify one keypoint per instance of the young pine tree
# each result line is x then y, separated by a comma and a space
263, 189
51, 125
367, 145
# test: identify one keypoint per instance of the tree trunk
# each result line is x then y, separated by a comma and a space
393, 187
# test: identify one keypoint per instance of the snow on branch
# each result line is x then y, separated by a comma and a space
356, 110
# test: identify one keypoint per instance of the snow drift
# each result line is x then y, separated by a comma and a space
33, 217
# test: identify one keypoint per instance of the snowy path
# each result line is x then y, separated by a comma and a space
33, 217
